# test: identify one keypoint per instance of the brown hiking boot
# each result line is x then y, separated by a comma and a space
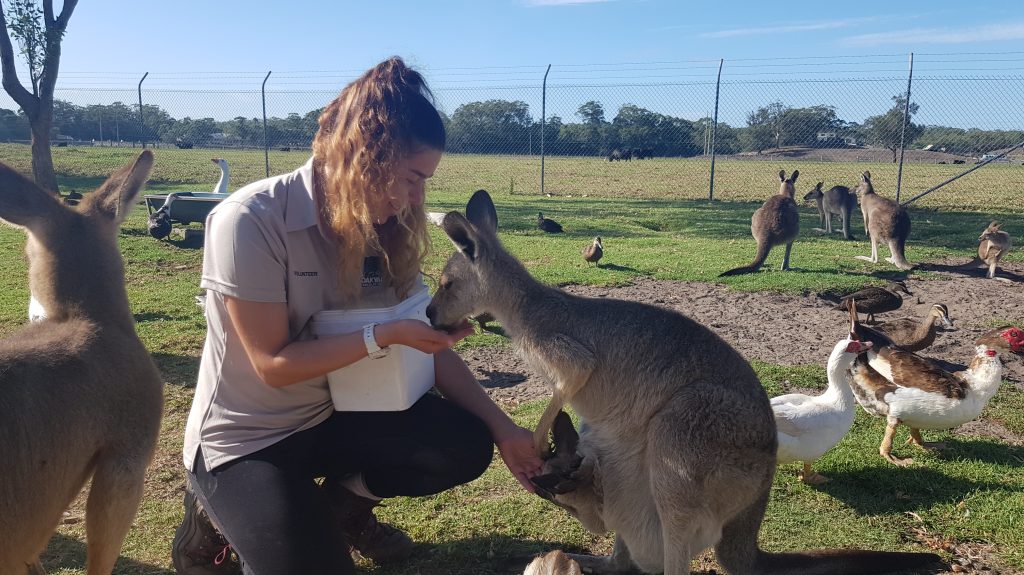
198, 548
370, 538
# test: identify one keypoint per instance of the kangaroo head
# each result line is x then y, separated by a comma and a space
992, 229
462, 291
570, 480
865, 186
75, 266
786, 185
815, 193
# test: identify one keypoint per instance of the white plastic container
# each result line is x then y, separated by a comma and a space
390, 383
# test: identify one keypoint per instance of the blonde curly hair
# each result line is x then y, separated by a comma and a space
379, 119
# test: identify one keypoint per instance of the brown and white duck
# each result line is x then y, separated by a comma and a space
594, 251
876, 299
911, 390
915, 334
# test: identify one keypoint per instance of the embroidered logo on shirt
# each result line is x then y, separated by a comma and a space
371, 272
306, 274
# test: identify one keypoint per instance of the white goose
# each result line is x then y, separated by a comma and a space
225, 176
810, 425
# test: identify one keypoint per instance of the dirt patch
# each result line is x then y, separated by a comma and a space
786, 329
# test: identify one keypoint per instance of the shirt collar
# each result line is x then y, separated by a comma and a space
302, 208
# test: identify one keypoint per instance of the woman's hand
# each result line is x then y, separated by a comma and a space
418, 335
516, 449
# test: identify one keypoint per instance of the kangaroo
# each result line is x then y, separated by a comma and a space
838, 201
775, 223
885, 221
993, 244
80, 397
676, 419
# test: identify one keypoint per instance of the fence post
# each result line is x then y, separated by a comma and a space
543, 110
903, 133
266, 143
714, 129
142, 119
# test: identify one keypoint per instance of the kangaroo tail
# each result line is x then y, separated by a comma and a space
899, 246
763, 247
737, 552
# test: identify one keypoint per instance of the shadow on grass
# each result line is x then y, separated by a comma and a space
618, 268
991, 452
158, 316
884, 490
484, 555
179, 370
68, 553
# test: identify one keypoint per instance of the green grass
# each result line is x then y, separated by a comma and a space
972, 493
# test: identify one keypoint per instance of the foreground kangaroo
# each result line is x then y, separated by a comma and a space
775, 223
886, 222
80, 397
837, 201
676, 419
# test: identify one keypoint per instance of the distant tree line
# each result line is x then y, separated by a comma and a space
507, 127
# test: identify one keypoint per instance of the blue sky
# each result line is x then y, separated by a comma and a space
476, 49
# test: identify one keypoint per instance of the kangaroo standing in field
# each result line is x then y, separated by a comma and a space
675, 418
885, 221
837, 201
775, 223
80, 397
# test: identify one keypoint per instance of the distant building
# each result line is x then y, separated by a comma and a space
834, 137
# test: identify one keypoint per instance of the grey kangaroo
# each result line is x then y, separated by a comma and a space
80, 397
886, 222
775, 223
837, 201
676, 419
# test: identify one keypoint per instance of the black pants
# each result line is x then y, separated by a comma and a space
278, 520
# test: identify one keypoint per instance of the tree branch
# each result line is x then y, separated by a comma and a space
12, 85
54, 35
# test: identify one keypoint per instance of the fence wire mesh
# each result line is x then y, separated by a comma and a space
640, 130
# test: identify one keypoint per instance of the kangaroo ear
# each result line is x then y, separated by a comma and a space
866, 176
792, 178
480, 211
22, 202
117, 195
782, 175
565, 437
461, 233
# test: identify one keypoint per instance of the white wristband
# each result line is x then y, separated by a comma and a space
373, 351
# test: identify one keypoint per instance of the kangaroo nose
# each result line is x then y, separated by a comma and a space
431, 313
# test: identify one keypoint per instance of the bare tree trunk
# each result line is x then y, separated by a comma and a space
42, 158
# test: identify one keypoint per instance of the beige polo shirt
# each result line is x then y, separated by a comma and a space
263, 244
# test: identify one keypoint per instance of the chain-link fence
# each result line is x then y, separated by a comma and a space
688, 130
